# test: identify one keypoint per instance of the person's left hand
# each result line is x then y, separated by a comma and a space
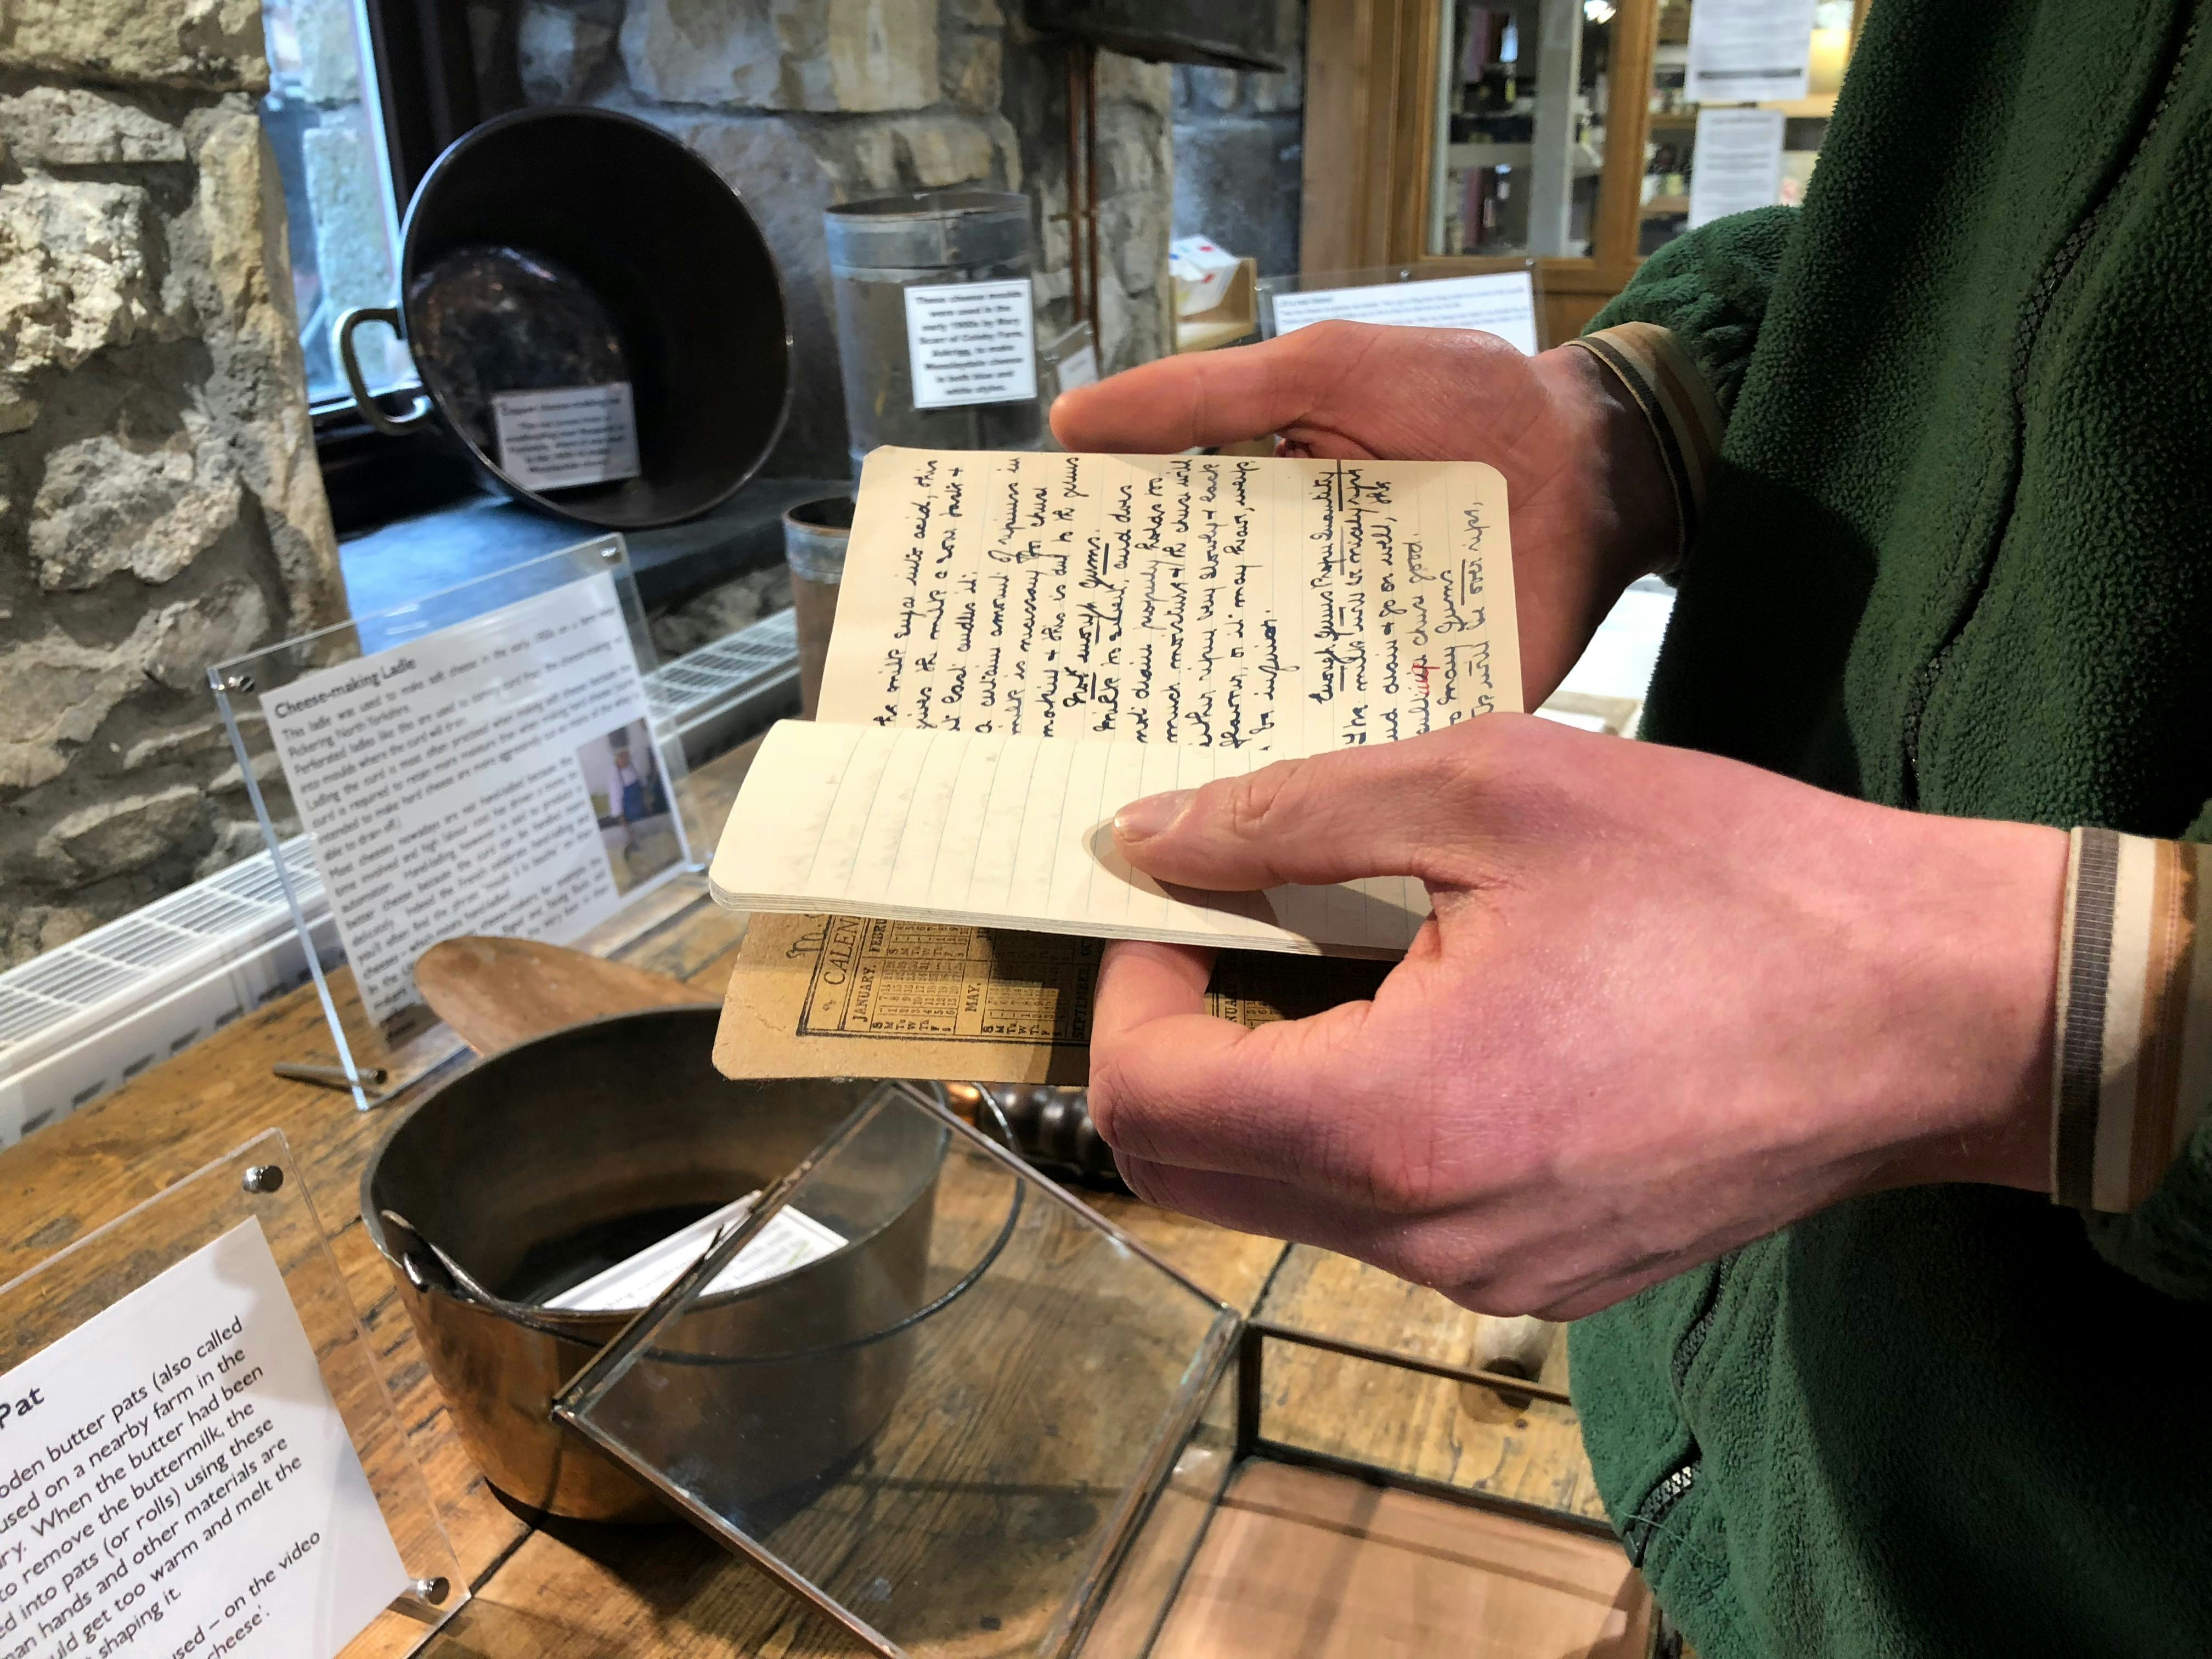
1667, 1004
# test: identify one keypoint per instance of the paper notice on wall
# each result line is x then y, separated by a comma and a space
177, 1480
1745, 51
971, 343
578, 435
1737, 163
497, 776
1504, 304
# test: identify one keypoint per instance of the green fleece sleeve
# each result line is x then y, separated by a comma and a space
2166, 1240
1710, 288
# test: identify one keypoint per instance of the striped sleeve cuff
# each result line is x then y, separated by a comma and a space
2133, 1060
1685, 416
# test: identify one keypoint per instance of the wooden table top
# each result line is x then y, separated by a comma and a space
579, 1590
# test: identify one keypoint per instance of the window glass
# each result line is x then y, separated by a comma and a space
1521, 103
1670, 147
321, 114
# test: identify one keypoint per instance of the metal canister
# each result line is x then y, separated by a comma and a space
877, 250
815, 534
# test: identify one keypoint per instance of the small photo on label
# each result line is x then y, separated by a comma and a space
637, 823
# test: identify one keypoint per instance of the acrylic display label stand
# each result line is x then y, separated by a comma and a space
483, 760
1506, 299
196, 1451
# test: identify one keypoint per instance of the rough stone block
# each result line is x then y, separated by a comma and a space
330, 53
232, 241
1270, 95
268, 772
104, 505
234, 839
205, 44
353, 247
1133, 81
970, 70
1130, 163
37, 927
937, 151
76, 276
559, 50
55, 692
1238, 182
169, 744
53, 695
126, 833
1205, 88
82, 126
976, 14
855, 55
175, 646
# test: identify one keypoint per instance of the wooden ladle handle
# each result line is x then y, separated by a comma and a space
495, 992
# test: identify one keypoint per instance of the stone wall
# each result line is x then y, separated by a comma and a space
160, 504
1240, 152
804, 104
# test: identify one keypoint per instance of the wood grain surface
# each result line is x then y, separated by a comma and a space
1327, 1567
1463, 1436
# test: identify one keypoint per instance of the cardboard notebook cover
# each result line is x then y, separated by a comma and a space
853, 996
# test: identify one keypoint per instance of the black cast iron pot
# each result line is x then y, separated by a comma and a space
553, 248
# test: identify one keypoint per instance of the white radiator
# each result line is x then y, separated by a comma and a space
80, 1019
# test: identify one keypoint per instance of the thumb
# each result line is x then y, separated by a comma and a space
1385, 810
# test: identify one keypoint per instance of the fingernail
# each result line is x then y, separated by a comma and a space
1141, 820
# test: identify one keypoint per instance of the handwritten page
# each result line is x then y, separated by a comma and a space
1026, 642
1292, 606
998, 831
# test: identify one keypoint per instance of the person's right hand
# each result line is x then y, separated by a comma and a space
1586, 488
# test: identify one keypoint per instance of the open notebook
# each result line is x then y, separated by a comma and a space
1025, 642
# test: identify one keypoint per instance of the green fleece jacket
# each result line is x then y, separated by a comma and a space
1958, 557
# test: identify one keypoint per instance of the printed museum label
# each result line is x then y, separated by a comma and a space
971, 343
1504, 304
175, 1480
576, 434
497, 776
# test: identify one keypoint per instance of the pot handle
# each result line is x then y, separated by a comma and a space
393, 426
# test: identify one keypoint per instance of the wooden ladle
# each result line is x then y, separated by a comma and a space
495, 992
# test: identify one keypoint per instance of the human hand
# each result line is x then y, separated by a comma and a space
1666, 1003
1587, 491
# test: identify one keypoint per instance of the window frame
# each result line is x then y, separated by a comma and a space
424, 67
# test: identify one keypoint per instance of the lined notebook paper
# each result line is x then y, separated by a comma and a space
1025, 642
991, 831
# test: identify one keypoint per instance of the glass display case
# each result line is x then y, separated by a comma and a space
1014, 1429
